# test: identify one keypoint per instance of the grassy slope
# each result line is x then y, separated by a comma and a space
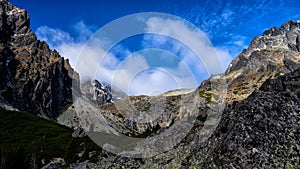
26, 139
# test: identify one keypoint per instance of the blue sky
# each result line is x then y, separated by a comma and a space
245, 18
230, 25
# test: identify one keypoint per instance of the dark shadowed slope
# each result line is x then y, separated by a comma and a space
28, 141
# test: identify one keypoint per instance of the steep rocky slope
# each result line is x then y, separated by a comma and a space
97, 92
274, 53
262, 130
33, 77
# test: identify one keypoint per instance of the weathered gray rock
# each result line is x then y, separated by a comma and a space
51, 165
78, 132
83, 165
261, 131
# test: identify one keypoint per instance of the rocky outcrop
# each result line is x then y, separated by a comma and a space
142, 115
97, 92
83, 165
51, 165
261, 131
78, 132
33, 77
5, 105
268, 56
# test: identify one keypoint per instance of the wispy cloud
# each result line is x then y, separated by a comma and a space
67, 44
226, 21
205, 57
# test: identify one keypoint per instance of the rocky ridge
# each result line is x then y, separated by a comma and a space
274, 53
33, 77
260, 131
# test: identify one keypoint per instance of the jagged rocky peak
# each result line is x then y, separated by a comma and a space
98, 92
274, 53
33, 77
287, 37
289, 34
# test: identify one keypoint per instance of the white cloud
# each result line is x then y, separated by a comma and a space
193, 45
224, 56
134, 75
67, 45
158, 81
54, 37
226, 14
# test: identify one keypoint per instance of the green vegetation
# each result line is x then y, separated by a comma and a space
208, 96
205, 95
26, 139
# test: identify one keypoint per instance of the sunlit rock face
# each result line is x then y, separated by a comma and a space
274, 53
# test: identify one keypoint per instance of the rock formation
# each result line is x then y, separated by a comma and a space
268, 56
97, 92
262, 130
33, 77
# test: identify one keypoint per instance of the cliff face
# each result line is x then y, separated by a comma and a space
33, 77
274, 53
262, 130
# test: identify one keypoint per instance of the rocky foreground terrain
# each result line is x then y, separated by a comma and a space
248, 117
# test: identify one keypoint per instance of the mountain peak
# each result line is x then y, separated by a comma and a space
288, 26
33, 77
274, 53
